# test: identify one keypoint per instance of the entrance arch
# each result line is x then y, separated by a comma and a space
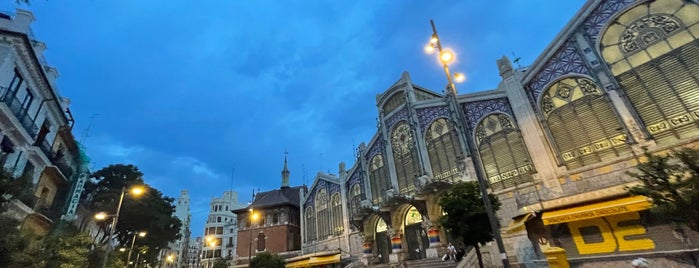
382, 240
415, 235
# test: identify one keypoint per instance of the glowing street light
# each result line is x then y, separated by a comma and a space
459, 77
253, 217
136, 191
133, 241
446, 57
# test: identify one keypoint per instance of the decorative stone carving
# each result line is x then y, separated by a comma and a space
594, 22
505, 67
477, 110
428, 115
566, 60
647, 31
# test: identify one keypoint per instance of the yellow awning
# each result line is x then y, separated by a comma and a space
315, 261
618, 206
518, 223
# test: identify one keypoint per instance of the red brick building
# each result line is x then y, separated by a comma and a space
271, 223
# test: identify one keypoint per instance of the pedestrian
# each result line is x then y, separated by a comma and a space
451, 251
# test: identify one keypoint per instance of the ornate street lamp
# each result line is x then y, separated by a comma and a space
133, 241
446, 57
135, 191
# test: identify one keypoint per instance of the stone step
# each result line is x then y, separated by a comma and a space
424, 263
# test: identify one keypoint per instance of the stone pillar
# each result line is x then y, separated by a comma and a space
433, 237
396, 248
366, 246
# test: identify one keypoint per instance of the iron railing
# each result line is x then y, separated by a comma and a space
20, 112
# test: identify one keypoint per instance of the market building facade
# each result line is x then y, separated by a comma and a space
555, 141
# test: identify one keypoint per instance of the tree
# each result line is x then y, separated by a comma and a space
10, 187
220, 263
152, 212
672, 182
466, 217
267, 260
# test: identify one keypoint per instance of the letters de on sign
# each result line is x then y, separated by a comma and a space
614, 237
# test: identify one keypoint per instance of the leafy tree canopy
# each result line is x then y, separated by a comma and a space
672, 182
466, 218
220, 263
152, 212
267, 260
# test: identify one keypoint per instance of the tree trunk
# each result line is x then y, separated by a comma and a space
478, 255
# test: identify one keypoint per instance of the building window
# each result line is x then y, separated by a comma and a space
393, 102
584, 127
310, 224
15, 84
405, 156
219, 230
261, 242
275, 217
653, 57
378, 176
338, 226
322, 214
504, 156
444, 150
218, 219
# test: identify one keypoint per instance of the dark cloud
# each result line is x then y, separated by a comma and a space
188, 92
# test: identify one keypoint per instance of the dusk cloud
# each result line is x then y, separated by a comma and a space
190, 92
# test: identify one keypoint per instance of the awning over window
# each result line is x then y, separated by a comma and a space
314, 261
518, 223
613, 207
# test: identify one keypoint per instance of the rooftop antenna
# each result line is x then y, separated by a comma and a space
87, 129
232, 175
516, 60
303, 170
354, 149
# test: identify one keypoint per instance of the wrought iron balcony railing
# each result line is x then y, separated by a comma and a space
19, 111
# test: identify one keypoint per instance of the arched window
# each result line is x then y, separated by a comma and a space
338, 226
405, 156
444, 150
355, 197
393, 102
310, 224
356, 190
505, 158
584, 127
655, 58
378, 176
261, 242
323, 214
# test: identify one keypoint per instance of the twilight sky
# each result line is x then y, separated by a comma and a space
190, 91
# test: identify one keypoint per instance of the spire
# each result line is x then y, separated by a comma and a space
285, 172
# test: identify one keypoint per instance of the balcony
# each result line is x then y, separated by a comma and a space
20, 112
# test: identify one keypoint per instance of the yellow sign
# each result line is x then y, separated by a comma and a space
615, 236
619, 206
596, 146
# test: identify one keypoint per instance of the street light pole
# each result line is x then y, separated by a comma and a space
452, 95
133, 241
250, 236
115, 219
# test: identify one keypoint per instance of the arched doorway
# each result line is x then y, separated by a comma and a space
415, 235
382, 241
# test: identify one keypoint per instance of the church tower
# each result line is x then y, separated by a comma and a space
285, 173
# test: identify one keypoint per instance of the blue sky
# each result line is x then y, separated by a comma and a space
191, 90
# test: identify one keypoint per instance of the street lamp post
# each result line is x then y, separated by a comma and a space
446, 57
136, 191
252, 216
133, 241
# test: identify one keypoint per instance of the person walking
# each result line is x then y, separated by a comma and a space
451, 250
